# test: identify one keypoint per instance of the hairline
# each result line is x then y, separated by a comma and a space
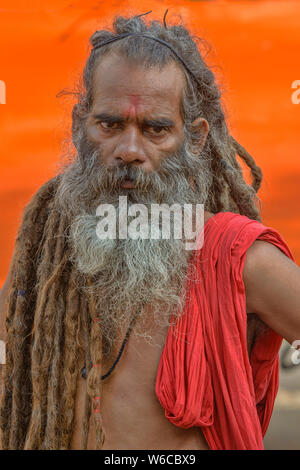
134, 61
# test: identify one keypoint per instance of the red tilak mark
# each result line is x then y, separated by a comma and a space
96, 398
132, 108
96, 365
130, 112
97, 411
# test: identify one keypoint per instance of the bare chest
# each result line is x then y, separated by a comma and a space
132, 416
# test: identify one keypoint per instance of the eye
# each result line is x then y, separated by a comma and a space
108, 125
157, 130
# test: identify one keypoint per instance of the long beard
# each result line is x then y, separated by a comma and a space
129, 275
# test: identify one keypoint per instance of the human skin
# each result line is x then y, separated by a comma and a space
124, 91
132, 415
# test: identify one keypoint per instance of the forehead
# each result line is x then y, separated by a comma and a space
119, 83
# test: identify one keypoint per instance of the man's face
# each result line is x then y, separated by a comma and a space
135, 115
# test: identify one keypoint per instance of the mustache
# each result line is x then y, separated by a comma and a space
109, 180
114, 177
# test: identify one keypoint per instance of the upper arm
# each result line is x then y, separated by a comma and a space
272, 287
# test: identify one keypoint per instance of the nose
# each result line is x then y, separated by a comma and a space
130, 147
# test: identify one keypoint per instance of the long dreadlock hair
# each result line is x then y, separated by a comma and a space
46, 309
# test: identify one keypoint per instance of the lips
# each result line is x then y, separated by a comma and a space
128, 184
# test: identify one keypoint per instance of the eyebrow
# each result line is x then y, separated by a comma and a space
114, 118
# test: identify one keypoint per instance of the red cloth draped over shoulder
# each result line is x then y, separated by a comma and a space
204, 376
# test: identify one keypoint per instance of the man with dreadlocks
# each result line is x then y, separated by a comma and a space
140, 343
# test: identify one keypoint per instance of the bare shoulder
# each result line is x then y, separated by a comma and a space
264, 258
261, 252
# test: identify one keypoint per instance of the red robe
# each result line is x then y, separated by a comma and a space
205, 377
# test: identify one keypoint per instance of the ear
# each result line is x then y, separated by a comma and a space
200, 129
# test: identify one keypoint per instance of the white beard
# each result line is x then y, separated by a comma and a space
127, 274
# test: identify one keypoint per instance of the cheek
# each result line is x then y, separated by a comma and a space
104, 146
171, 146
92, 133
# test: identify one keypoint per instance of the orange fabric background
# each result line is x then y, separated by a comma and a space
43, 46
